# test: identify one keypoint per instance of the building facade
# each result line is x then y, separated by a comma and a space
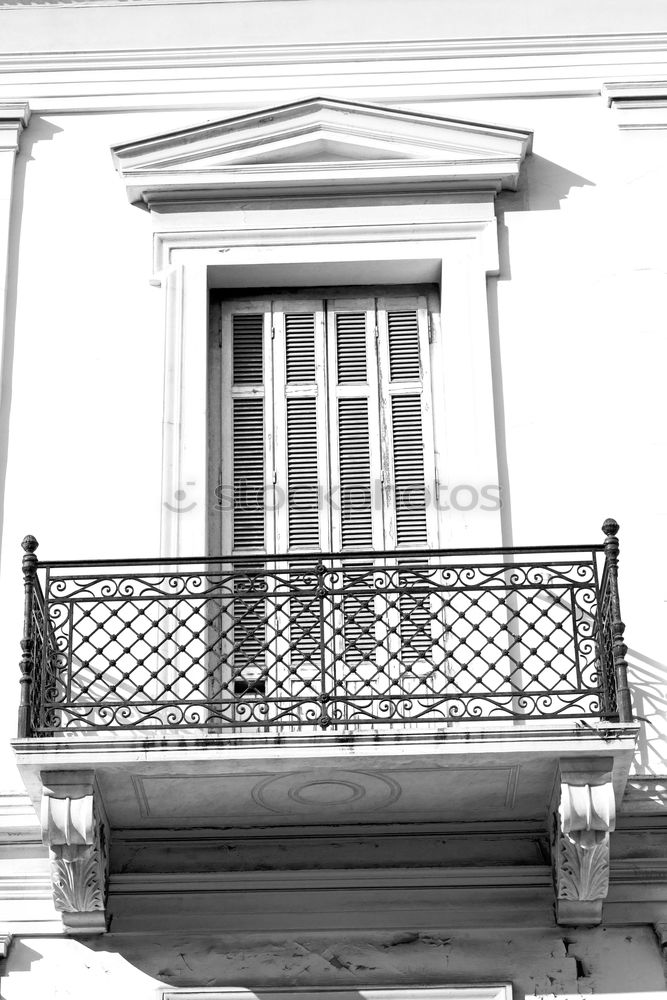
332, 349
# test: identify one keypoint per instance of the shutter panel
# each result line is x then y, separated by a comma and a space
248, 444
356, 527
356, 461
301, 457
406, 398
247, 352
246, 406
408, 460
302, 447
405, 380
355, 430
351, 347
403, 334
300, 424
300, 347
248, 462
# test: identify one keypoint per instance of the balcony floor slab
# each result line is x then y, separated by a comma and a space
256, 780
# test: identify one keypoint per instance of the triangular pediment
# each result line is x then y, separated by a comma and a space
321, 145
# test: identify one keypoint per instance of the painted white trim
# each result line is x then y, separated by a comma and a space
409, 74
472, 47
18, 819
167, 245
464, 262
14, 117
324, 146
638, 104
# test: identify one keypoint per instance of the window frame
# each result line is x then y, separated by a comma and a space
451, 241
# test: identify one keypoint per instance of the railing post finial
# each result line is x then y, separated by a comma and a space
610, 527
29, 565
619, 648
29, 544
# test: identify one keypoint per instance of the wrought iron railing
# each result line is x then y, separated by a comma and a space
284, 643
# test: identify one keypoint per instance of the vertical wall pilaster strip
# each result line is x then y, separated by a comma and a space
14, 117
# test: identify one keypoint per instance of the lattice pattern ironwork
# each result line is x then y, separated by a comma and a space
292, 642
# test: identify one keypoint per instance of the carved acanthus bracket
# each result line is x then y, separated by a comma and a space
75, 828
584, 815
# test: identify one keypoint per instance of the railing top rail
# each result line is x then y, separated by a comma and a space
310, 557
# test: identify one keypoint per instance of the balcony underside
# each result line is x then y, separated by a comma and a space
445, 775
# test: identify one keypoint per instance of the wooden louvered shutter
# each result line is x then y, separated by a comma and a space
300, 426
407, 416
246, 432
247, 528
416, 621
355, 429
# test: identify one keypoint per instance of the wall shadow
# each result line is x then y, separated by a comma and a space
543, 186
648, 685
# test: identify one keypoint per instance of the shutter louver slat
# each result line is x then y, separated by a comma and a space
248, 459
300, 347
404, 360
409, 469
247, 354
302, 472
351, 347
355, 474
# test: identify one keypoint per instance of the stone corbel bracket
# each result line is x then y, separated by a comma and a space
75, 828
583, 816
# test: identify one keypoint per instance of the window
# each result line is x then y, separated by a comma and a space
326, 444
326, 431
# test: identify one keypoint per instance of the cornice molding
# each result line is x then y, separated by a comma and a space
14, 117
18, 821
638, 104
527, 46
235, 78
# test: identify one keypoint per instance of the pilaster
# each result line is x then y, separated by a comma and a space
75, 828
14, 117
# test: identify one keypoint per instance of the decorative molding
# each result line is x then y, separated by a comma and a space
645, 795
234, 79
17, 818
14, 117
75, 829
320, 146
518, 46
5, 945
476, 221
582, 821
359, 880
638, 105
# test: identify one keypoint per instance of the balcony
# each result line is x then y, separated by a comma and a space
345, 642
309, 691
